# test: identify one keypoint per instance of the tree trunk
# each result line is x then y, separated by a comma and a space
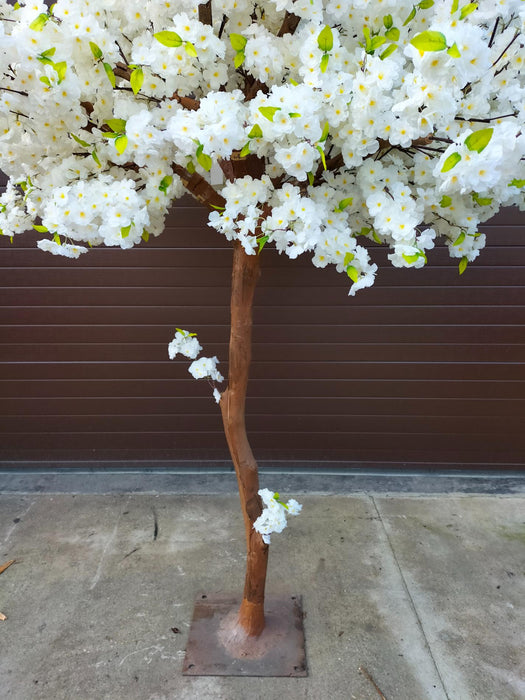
244, 280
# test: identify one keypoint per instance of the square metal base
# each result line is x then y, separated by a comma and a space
278, 651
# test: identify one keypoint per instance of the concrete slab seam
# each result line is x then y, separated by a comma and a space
408, 593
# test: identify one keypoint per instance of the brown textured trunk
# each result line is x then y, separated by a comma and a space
244, 280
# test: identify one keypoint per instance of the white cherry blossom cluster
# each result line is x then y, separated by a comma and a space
275, 512
187, 344
371, 122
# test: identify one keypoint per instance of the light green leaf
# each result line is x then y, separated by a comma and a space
376, 42
311, 178
325, 40
324, 135
80, 142
190, 166
124, 231
410, 17
479, 140
482, 201
346, 202
463, 264
324, 62
348, 259
204, 161
516, 183
352, 272
459, 240
40, 229
238, 41
411, 258
255, 132
190, 49
454, 7
245, 150
60, 69
388, 51
121, 143
238, 59
44, 79
145, 236
392, 34
118, 126
468, 9
39, 22
136, 79
269, 112
426, 4
323, 157
294, 115
56, 238
388, 21
429, 41
453, 51
96, 158
110, 74
95, 50
446, 201
169, 39
451, 162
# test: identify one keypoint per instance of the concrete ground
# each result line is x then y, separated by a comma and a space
424, 592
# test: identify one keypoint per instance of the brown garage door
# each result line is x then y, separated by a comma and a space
425, 369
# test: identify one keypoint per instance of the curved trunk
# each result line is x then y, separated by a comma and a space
245, 274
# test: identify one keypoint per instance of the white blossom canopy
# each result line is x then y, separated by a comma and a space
310, 124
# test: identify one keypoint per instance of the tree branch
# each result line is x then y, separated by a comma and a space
205, 13
289, 24
199, 188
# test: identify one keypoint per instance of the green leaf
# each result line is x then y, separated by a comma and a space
109, 135
454, 8
96, 158
95, 50
426, 4
352, 272
40, 229
190, 49
121, 143
245, 150
324, 135
323, 158
388, 21
453, 51
204, 161
459, 240
410, 17
429, 41
145, 235
348, 259
468, 9
110, 74
392, 34
190, 166
324, 62
44, 79
165, 183
262, 242
294, 115
60, 69
388, 51
269, 112
516, 183
124, 231
310, 178
482, 201
238, 42
377, 41
451, 162
45, 56
238, 59
325, 40
136, 79
255, 132
56, 238
479, 140
118, 126
463, 264
446, 201
84, 144
411, 258
39, 22
347, 201
169, 39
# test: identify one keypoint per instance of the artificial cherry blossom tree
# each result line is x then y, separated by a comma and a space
318, 126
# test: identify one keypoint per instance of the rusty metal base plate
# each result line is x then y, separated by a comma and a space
278, 651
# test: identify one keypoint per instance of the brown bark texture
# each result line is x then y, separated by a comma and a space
245, 274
